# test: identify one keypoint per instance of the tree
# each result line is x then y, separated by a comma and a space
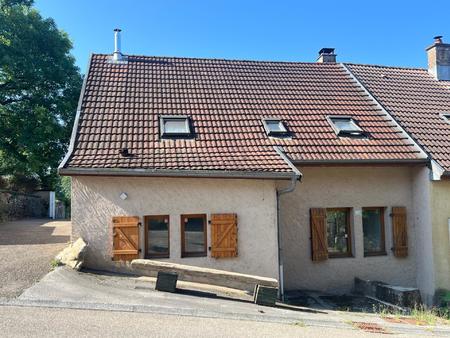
39, 89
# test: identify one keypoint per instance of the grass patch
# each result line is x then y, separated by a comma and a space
55, 263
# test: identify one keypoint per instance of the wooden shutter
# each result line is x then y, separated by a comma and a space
224, 235
399, 231
125, 238
319, 247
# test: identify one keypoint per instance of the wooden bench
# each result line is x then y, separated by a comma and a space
147, 267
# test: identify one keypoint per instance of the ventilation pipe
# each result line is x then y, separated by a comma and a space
117, 55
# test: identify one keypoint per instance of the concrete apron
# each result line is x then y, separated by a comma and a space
65, 288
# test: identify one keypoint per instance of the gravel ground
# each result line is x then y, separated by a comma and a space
26, 250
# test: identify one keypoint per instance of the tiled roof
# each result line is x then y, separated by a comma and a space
226, 101
416, 100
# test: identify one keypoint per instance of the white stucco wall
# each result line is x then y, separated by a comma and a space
95, 200
353, 187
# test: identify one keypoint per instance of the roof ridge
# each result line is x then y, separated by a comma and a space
383, 66
218, 59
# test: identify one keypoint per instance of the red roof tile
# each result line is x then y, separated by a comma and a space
416, 100
226, 101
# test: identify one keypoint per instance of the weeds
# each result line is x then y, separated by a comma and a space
55, 263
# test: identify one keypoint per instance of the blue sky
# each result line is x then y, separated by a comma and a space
392, 32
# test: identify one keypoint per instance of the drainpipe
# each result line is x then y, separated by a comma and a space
296, 176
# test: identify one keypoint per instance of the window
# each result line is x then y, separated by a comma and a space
275, 127
345, 126
193, 235
338, 232
446, 117
175, 126
373, 228
157, 236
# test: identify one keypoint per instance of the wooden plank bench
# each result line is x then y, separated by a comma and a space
188, 273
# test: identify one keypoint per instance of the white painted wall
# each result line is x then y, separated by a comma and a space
95, 200
353, 187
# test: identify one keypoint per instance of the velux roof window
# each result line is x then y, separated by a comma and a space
175, 126
345, 126
275, 127
446, 117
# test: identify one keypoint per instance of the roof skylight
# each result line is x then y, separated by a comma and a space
175, 126
345, 126
275, 127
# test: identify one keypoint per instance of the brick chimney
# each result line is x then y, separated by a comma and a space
439, 59
326, 55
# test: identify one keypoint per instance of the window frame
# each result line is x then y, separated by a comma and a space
346, 132
383, 232
349, 252
185, 253
446, 117
167, 135
281, 133
161, 255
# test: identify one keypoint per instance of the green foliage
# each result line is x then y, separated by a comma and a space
39, 88
63, 189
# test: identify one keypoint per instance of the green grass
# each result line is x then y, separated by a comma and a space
55, 263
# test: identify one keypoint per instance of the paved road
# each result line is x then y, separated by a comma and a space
26, 250
48, 322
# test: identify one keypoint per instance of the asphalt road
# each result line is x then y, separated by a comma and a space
48, 322
26, 250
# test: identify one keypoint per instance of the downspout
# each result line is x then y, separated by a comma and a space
296, 176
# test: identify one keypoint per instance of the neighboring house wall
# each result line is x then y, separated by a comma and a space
421, 194
440, 197
328, 187
95, 200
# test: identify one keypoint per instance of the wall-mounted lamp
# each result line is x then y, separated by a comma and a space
123, 196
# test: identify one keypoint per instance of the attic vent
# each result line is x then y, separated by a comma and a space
124, 152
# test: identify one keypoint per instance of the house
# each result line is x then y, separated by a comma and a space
291, 170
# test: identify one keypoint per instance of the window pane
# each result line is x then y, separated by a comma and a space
345, 125
175, 126
158, 236
194, 239
372, 227
337, 233
275, 126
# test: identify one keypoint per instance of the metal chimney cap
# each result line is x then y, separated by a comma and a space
326, 51
438, 39
117, 30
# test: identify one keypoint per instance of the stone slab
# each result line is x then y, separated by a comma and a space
147, 267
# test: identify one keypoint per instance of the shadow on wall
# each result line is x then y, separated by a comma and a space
29, 232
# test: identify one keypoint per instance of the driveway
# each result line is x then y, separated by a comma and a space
26, 250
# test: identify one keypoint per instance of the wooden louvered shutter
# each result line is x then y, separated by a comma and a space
224, 235
399, 231
125, 238
319, 247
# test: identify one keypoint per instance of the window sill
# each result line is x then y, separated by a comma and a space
374, 254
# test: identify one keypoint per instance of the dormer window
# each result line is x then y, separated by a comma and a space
345, 126
175, 126
275, 127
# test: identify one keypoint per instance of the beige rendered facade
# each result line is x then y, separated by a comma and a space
355, 188
440, 205
95, 200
